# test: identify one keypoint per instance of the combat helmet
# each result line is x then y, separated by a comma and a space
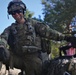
16, 6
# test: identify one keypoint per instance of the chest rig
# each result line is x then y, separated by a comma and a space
24, 37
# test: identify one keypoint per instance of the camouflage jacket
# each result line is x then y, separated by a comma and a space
29, 34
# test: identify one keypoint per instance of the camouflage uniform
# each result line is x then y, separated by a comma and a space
62, 66
25, 41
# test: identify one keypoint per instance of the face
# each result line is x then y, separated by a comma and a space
18, 16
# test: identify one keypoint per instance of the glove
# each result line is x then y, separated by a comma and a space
71, 39
68, 38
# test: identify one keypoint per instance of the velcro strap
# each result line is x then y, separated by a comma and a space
30, 49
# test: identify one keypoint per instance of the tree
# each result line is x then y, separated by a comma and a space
28, 14
59, 13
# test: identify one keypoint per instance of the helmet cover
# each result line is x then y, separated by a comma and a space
16, 5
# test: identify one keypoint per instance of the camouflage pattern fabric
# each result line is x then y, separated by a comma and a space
72, 66
25, 41
55, 68
29, 34
30, 65
61, 67
46, 45
4, 53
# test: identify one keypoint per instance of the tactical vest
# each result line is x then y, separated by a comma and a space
24, 38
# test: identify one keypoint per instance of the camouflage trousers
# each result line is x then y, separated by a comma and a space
30, 63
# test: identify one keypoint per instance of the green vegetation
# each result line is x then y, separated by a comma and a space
59, 13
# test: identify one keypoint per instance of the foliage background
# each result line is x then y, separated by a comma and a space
58, 14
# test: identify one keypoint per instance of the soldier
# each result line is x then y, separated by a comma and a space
24, 38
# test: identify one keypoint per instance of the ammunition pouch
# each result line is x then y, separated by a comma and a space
30, 49
46, 45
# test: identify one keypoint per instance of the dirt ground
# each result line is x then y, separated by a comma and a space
13, 72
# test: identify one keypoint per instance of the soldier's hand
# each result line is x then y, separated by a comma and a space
68, 38
72, 40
